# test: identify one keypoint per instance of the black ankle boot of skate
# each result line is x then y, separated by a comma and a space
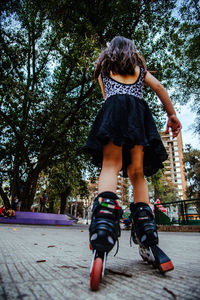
105, 227
144, 227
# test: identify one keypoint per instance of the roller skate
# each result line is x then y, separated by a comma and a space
144, 233
104, 233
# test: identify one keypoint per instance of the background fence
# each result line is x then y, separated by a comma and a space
183, 212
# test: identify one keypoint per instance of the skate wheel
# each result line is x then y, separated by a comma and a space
166, 267
95, 276
90, 246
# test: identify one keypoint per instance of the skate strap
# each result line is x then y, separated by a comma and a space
144, 214
105, 202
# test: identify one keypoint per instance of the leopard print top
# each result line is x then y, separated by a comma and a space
113, 87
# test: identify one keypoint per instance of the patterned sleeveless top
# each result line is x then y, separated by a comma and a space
113, 87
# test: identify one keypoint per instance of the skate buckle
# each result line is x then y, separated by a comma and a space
143, 218
105, 203
105, 212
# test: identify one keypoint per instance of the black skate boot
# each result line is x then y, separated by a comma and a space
104, 233
144, 233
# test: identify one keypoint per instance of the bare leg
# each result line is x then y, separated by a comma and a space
112, 164
105, 222
136, 176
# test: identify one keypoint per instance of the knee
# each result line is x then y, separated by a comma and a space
114, 164
135, 173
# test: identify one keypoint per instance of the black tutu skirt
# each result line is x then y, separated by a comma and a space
126, 121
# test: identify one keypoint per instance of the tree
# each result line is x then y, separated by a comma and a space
189, 57
66, 180
47, 96
43, 108
163, 189
125, 191
192, 164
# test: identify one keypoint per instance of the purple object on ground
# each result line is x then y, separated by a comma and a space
22, 217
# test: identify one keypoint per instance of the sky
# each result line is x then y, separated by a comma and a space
187, 119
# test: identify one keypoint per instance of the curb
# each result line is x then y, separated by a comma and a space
184, 228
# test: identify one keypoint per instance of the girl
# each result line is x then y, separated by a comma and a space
124, 137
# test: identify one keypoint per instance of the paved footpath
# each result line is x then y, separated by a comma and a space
51, 262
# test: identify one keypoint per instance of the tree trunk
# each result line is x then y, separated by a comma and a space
15, 185
156, 193
4, 198
29, 191
63, 198
63, 202
51, 206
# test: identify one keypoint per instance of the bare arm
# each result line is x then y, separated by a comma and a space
158, 88
102, 86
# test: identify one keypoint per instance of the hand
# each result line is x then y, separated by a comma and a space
174, 124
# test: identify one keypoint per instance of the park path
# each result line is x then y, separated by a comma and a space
52, 262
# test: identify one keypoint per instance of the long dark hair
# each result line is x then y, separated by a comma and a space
120, 57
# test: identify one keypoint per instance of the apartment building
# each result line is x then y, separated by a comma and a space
174, 166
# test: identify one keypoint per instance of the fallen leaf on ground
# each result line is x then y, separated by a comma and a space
84, 267
170, 292
68, 267
126, 274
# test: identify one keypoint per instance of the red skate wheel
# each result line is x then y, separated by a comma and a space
90, 246
95, 276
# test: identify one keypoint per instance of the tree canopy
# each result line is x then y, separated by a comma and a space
48, 98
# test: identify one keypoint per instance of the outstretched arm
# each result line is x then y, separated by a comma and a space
158, 88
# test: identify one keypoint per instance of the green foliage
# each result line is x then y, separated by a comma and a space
45, 91
161, 188
188, 36
192, 164
66, 177
125, 192
47, 95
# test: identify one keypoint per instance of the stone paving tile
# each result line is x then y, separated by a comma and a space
41, 262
